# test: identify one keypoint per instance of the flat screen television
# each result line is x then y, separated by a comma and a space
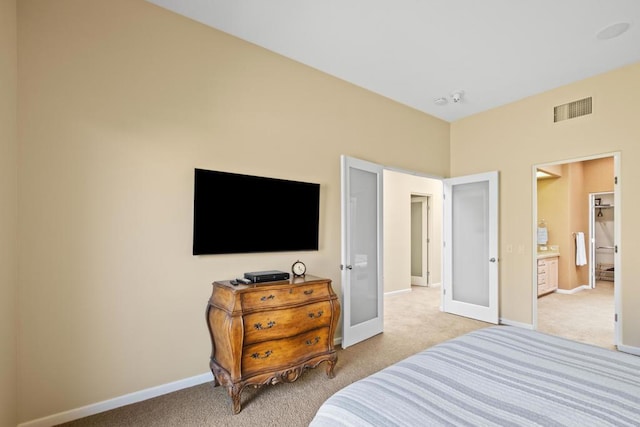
234, 213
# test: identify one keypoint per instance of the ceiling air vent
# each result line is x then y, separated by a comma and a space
572, 110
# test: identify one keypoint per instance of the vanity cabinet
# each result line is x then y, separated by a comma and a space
547, 275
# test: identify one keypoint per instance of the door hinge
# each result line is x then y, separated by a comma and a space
615, 180
615, 317
444, 291
615, 249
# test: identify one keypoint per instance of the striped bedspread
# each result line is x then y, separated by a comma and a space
497, 376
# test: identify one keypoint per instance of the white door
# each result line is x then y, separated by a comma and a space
362, 287
470, 275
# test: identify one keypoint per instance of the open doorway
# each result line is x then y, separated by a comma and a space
420, 240
602, 245
568, 299
412, 225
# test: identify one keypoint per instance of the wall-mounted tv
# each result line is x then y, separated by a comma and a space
234, 213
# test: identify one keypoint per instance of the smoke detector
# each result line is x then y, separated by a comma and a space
456, 96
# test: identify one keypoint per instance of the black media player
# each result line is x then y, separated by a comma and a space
266, 276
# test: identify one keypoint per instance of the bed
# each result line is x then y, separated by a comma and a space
496, 376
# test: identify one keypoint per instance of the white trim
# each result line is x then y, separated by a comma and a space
412, 172
399, 291
117, 402
629, 349
574, 290
508, 322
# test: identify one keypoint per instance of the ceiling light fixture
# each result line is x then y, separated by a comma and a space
440, 101
613, 31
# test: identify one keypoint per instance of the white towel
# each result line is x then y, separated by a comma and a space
581, 253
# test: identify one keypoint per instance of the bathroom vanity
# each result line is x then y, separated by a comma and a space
547, 272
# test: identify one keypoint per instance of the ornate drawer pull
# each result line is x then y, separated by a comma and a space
266, 354
266, 298
308, 292
316, 315
270, 325
316, 340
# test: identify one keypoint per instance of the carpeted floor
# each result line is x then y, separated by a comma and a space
413, 322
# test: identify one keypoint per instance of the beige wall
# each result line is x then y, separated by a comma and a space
119, 101
398, 188
578, 221
8, 213
515, 137
554, 209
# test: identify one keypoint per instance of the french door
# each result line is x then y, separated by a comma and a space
470, 275
361, 263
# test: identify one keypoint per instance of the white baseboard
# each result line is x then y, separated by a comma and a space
629, 349
117, 402
572, 291
400, 291
435, 285
508, 322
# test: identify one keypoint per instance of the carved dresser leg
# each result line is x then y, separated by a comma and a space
234, 391
331, 363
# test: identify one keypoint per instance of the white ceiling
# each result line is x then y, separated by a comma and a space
413, 51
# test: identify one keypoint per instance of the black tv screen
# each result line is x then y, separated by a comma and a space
234, 213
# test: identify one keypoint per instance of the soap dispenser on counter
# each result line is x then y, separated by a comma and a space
543, 235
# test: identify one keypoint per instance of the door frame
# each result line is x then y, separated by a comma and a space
617, 200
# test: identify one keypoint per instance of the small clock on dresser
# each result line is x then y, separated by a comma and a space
299, 269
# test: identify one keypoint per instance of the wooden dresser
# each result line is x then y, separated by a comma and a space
270, 332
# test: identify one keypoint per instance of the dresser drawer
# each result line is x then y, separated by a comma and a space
269, 355
277, 297
275, 324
